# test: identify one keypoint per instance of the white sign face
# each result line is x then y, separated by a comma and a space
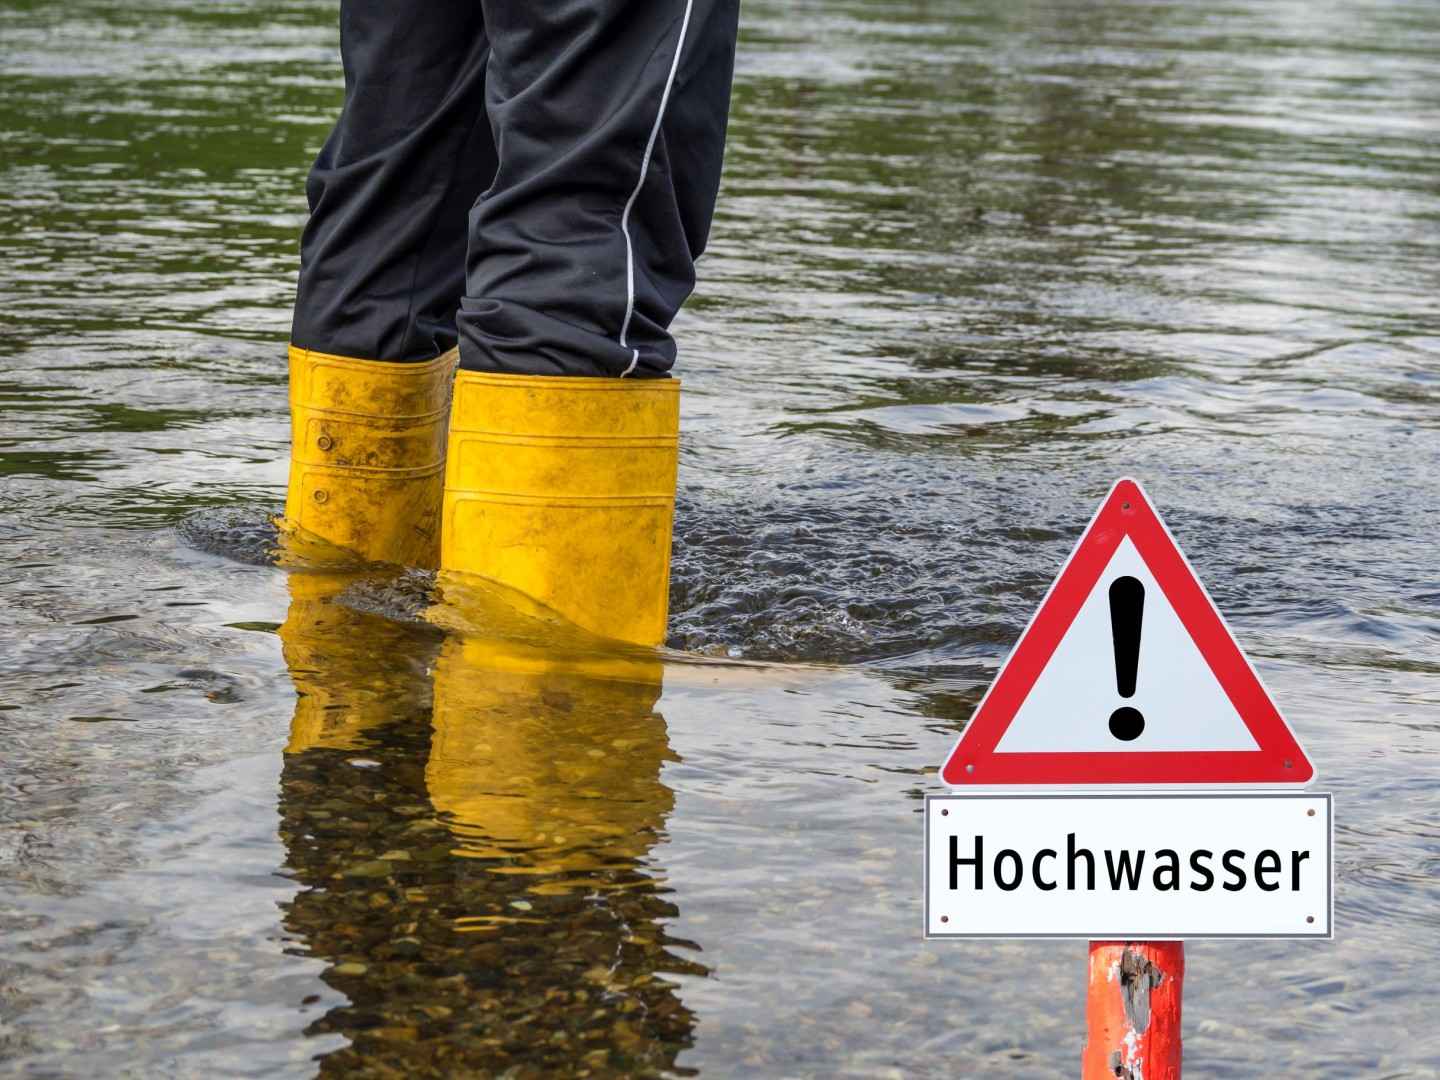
1183, 704
1128, 867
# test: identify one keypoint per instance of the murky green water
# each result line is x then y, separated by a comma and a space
973, 261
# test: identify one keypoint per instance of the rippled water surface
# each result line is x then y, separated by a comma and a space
973, 261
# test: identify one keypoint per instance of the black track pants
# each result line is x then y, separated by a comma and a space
533, 177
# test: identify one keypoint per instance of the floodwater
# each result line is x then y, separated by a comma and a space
973, 262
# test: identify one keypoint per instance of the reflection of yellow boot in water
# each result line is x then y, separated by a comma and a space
545, 765
515, 922
368, 453
564, 490
353, 671
549, 759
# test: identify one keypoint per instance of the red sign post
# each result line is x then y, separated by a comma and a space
1132, 1010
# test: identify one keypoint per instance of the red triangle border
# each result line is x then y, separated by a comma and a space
1279, 760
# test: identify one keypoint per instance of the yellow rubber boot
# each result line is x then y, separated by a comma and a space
563, 489
367, 453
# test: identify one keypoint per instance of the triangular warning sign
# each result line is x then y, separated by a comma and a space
1126, 676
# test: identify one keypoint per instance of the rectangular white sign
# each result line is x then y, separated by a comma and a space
1128, 867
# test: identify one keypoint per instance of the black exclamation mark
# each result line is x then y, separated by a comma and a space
1127, 612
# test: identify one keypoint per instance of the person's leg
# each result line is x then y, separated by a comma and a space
382, 271
610, 118
383, 256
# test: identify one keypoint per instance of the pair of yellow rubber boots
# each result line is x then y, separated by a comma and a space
559, 488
